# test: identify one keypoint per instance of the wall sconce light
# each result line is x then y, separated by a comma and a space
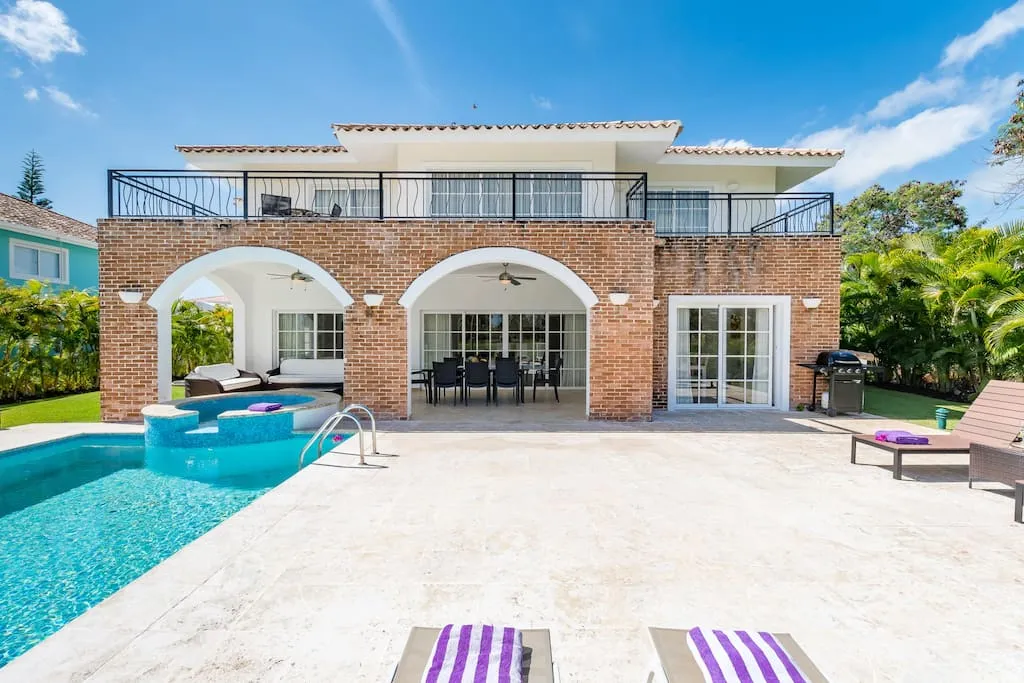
732, 186
373, 299
618, 298
657, 302
131, 295
811, 302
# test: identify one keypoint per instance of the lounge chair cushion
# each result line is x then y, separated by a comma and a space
219, 372
239, 383
537, 664
746, 656
310, 371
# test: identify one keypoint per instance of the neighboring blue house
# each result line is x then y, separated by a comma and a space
39, 244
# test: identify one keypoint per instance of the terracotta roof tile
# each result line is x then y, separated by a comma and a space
754, 151
586, 125
260, 149
14, 210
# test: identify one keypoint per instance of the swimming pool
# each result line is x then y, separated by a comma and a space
82, 517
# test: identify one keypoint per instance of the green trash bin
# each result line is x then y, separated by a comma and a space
940, 417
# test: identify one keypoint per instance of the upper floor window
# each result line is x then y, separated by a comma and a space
363, 202
679, 211
31, 261
489, 195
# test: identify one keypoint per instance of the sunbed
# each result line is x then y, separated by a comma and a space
538, 664
994, 419
677, 662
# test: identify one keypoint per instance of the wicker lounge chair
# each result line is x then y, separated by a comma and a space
1004, 465
676, 663
538, 665
994, 419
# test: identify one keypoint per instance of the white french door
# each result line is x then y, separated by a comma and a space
723, 353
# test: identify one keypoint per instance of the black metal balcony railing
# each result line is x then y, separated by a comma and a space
533, 195
377, 195
682, 213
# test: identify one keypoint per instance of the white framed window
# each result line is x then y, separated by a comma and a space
358, 202
550, 195
680, 211
34, 261
529, 336
470, 195
310, 334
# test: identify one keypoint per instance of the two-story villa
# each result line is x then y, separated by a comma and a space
43, 245
663, 277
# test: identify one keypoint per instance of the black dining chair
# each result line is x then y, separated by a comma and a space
553, 379
446, 376
422, 377
477, 375
506, 376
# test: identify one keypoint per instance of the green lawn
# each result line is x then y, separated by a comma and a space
910, 407
77, 408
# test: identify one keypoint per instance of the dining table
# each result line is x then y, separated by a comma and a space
525, 370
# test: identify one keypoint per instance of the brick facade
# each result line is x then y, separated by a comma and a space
794, 266
628, 344
384, 257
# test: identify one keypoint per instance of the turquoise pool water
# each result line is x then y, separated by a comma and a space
82, 517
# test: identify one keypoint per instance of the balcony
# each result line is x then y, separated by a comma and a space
453, 195
376, 195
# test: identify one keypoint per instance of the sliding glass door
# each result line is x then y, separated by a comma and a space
723, 355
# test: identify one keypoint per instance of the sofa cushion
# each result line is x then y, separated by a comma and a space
239, 383
334, 368
219, 372
305, 379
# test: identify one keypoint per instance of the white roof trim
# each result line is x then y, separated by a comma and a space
43, 233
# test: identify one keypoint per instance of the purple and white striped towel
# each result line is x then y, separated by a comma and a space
476, 654
742, 657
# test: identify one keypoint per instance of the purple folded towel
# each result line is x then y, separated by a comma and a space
890, 434
910, 440
264, 407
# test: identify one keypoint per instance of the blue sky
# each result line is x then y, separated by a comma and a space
912, 89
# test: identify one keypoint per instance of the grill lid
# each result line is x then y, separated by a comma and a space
837, 357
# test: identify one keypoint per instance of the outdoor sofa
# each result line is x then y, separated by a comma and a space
677, 663
325, 374
221, 378
994, 419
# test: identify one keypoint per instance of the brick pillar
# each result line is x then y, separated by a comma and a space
128, 357
377, 357
621, 358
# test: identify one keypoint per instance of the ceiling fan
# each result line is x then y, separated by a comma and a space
297, 276
506, 278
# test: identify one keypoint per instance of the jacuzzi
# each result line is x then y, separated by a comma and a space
223, 419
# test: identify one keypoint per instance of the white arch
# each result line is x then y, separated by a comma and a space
176, 282
171, 289
484, 255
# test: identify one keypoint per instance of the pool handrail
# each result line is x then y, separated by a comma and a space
326, 428
373, 422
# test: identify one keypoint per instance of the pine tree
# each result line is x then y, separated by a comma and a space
31, 188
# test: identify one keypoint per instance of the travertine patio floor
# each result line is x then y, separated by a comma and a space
736, 520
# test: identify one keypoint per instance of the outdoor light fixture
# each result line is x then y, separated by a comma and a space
657, 302
619, 298
811, 302
505, 279
131, 295
373, 299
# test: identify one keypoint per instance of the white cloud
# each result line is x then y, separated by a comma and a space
919, 92
31, 94
39, 30
999, 27
393, 23
541, 102
65, 100
15, 73
990, 183
872, 151
723, 142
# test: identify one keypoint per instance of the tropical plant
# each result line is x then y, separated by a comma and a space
31, 187
199, 337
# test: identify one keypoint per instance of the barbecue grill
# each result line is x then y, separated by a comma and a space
846, 376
